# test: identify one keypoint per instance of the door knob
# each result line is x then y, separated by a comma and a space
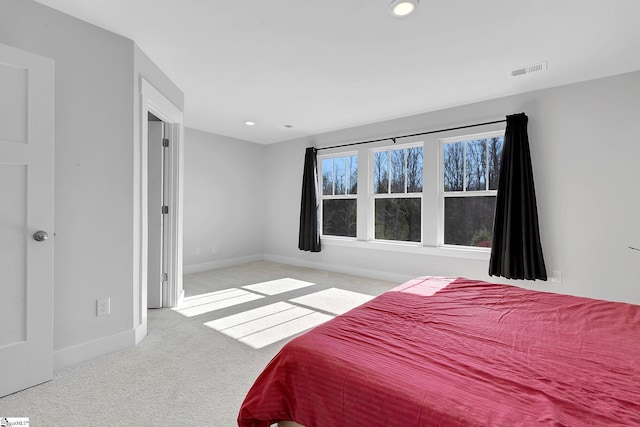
40, 236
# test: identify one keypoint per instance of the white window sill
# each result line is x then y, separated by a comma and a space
412, 248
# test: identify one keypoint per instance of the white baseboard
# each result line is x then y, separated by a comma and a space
197, 268
342, 269
140, 332
71, 356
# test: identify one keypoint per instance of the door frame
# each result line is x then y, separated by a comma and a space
154, 102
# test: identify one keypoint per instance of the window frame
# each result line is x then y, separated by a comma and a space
373, 196
442, 195
347, 196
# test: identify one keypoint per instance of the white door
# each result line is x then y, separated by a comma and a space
155, 252
26, 208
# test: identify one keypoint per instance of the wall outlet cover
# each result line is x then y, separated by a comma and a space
103, 306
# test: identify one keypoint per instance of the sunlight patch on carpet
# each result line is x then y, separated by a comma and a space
279, 286
333, 300
266, 325
212, 301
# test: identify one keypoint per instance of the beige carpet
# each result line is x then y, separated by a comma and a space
194, 370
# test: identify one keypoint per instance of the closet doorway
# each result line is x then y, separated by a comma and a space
158, 202
157, 248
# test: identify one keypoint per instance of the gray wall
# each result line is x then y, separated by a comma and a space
223, 201
96, 95
585, 151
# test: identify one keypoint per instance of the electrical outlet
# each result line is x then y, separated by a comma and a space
103, 306
556, 276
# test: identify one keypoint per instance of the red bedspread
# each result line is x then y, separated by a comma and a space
472, 354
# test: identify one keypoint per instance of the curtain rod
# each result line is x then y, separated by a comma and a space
393, 138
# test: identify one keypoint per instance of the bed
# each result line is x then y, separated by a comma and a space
457, 352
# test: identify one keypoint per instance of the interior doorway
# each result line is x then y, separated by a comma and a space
157, 210
172, 119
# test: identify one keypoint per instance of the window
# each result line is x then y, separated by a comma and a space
339, 193
434, 195
397, 194
470, 170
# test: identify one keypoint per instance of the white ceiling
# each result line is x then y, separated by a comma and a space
323, 65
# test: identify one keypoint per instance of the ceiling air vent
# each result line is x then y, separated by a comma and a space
529, 69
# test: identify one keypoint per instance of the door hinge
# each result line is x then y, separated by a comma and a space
165, 142
165, 210
165, 277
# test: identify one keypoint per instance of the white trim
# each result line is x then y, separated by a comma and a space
152, 100
171, 295
342, 269
231, 262
76, 354
450, 251
140, 332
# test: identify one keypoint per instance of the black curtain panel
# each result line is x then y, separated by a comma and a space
516, 252
309, 235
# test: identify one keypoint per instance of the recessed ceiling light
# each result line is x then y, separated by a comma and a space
288, 126
403, 7
250, 123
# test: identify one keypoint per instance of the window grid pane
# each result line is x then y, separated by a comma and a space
327, 176
453, 166
398, 219
468, 221
381, 172
339, 217
415, 170
398, 171
339, 175
476, 165
495, 155
352, 187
